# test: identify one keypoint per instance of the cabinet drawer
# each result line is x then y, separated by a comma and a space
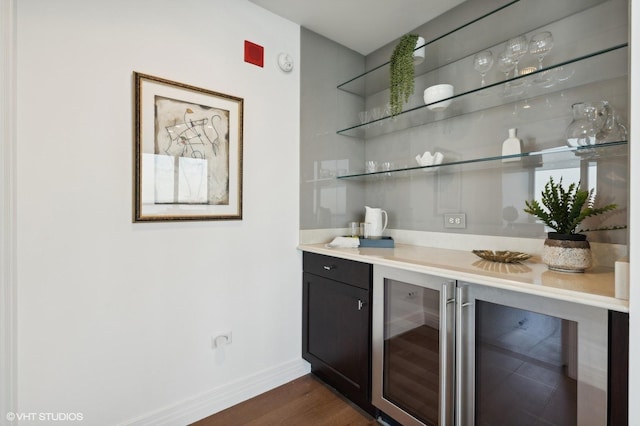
347, 271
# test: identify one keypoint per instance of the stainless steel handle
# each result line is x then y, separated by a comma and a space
360, 305
459, 343
447, 299
462, 409
328, 267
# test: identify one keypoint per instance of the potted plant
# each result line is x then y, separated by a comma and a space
566, 249
401, 72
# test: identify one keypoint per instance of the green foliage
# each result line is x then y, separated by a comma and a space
401, 72
564, 209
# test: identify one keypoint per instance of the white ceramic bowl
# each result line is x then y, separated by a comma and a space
437, 92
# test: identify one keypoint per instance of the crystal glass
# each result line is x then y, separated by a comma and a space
482, 62
505, 63
608, 121
602, 111
613, 130
540, 45
583, 129
517, 47
371, 166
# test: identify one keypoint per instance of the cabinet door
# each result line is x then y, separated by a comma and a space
618, 368
336, 333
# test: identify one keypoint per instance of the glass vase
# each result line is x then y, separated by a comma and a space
583, 129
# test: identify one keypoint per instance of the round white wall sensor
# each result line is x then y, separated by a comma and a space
285, 62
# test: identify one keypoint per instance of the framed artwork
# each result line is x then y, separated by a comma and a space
188, 152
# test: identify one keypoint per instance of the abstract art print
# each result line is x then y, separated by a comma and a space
188, 152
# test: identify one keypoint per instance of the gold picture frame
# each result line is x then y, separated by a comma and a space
188, 152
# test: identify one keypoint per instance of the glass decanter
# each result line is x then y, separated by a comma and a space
583, 129
612, 130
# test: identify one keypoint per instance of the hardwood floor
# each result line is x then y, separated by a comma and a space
304, 401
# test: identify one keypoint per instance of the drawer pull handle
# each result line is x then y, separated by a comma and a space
361, 305
328, 268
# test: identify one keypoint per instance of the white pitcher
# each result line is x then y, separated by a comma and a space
373, 222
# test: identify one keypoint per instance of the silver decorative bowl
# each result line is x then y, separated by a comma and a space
505, 256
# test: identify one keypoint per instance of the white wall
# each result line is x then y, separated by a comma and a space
102, 330
8, 342
115, 319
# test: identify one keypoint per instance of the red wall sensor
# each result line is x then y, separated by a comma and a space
253, 53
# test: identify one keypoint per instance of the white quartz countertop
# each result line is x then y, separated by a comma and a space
594, 287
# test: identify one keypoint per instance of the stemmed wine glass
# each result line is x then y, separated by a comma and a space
482, 62
517, 47
540, 45
505, 63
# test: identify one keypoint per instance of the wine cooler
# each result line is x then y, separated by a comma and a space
455, 353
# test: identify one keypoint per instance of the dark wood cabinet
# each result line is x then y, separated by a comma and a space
336, 335
618, 369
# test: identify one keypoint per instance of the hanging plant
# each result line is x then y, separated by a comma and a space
402, 72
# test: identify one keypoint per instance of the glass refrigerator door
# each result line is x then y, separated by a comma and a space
526, 366
538, 360
413, 350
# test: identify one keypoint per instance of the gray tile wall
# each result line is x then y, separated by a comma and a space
491, 194
324, 201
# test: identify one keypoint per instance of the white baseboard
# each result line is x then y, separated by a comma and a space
220, 398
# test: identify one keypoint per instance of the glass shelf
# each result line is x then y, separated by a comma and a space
563, 155
598, 66
474, 36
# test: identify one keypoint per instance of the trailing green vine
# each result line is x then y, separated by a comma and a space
401, 72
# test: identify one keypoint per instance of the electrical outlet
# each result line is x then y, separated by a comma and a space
455, 220
220, 340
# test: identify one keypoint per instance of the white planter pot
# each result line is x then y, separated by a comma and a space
566, 255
